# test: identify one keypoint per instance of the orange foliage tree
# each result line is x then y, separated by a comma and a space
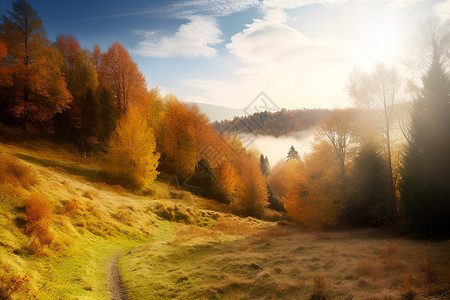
251, 196
120, 73
314, 199
38, 90
179, 143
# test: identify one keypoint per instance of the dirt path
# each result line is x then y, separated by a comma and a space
115, 284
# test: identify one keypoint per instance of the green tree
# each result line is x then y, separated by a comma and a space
379, 92
293, 154
107, 114
425, 184
368, 199
90, 113
264, 164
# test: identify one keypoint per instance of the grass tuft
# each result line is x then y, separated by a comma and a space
14, 172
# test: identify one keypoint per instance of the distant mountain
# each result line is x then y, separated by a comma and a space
220, 113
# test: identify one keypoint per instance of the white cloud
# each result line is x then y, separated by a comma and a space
442, 9
193, 39
291, 68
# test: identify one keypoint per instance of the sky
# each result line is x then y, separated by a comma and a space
298, 52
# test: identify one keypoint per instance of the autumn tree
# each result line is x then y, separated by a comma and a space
38, 90
4, 72
132, 150
425, 184
336, 136
283, 175
179, 143
313, 198
379, 91
292, 154
252, 192
120, 73
80, 75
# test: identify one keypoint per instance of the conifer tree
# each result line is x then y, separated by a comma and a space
425, 185
293, 154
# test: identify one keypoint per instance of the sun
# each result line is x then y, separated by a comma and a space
378, 42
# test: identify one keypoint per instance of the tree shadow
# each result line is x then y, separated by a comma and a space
89, 174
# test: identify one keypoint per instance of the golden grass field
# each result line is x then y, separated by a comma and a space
178, 246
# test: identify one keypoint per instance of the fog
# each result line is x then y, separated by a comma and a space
276, 148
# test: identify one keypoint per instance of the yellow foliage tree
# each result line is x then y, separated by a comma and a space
132, 149
252, 194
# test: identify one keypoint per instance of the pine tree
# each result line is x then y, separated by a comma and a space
265, 166
368, 201
293, 154
425, 184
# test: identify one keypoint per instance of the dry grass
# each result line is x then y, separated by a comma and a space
14, 172
39, 216
281, 262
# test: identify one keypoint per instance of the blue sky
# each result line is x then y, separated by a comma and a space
299, 52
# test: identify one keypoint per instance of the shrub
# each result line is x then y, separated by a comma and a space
39, 216
15, 172
13, 285
320, 288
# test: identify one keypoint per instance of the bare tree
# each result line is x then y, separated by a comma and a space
378, 92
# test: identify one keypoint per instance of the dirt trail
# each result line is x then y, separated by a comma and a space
115, 284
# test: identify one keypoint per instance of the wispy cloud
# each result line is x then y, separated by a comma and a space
193, 39
215, 8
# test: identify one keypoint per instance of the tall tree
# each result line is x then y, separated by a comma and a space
368, 199
293, 154
425, 185
107, 114
133, 155
90, 119
81, 75
252, 191
120, 73
179, 143
336, 134
264, 164
38, 90
378, 92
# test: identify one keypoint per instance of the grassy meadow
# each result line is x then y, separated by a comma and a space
175, 245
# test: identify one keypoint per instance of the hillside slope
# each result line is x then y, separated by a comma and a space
92, 222
169, 244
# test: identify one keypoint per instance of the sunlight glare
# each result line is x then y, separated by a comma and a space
378, 42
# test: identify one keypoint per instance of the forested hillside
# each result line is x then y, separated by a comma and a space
276, 123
